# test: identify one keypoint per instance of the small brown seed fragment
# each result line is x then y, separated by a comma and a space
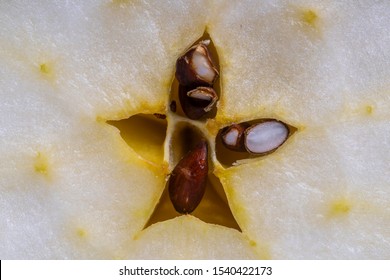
265, 137
233, 136
172, 106
196, 67
197, 102
187, 182
160, 116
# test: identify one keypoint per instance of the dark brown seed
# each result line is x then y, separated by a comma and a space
187, 182
197, 102
196, 67
233, 136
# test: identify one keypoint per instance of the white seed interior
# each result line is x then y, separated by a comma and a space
230, 138
265, 137
202, 67
200, 94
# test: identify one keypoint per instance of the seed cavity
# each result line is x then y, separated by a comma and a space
196, 67
145, 134
196, 81
233, 136
197, 102
265, 137
213, 209
246, 140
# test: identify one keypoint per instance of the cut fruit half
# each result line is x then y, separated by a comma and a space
89, 132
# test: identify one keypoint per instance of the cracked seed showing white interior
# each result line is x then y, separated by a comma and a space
265, 137
199, 95
202, 66
205, 94
196, 67
233, 136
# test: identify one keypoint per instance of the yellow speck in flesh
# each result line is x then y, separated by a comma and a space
46, 71
339, 208
41, 164
309, 17
44, 68
369, 109
81, 233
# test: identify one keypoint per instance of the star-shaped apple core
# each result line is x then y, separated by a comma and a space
147, 135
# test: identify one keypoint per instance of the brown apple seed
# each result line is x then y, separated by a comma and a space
187, 183
196, 67
197, 102
233, 136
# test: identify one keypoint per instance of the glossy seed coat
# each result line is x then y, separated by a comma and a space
187, 183
196, 67
233, 136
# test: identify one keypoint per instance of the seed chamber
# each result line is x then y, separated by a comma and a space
174, 97
145, 134
230, 157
